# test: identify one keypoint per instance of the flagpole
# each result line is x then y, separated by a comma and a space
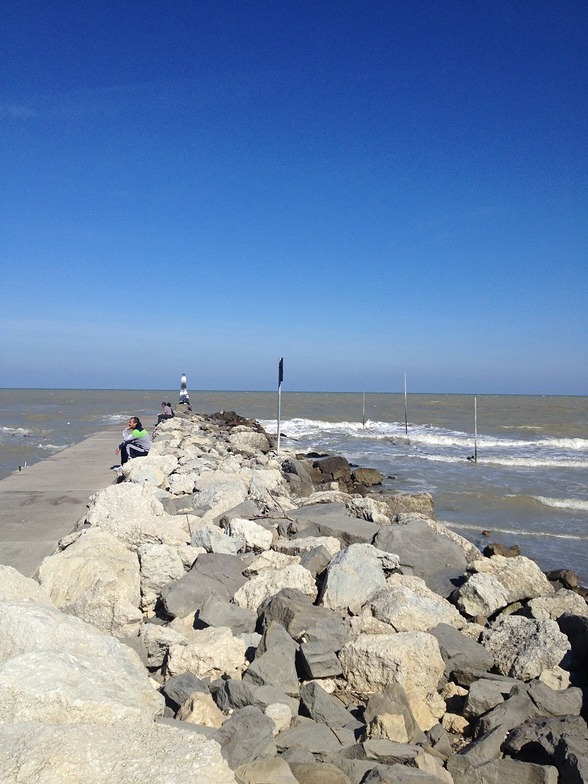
475, 430
405, 407
280, 379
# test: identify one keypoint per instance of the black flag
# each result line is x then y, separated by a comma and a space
281, 371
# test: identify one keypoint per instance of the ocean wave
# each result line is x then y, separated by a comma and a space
516, 531
577, 504
55, 447
15, 431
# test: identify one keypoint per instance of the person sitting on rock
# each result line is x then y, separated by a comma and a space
136, 441
167, 412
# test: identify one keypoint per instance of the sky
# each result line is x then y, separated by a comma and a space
366, 189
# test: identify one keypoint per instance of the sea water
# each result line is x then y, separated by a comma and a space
528, 487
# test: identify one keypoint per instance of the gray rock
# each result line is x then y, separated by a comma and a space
312, 736
498, 771
269, 695
564, 741
333, 520
398, 774
567, 702
459, 651
354, 575
388, 716
323, 707
316, 560
275, 664
509, 714
216, 611
179, 687
294, 610
319, 660
483, 696
318, 773
246, 736
233, 694
524, 647
214, 573
575, 627
436, 558
486, 747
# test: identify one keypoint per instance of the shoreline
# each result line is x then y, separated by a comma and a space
280, 623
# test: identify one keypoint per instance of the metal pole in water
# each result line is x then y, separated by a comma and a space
405, 407
475, 430
280, 379
363, 412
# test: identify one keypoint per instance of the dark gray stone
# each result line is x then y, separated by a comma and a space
575, 627
398, 774
567, 702
459, 651
435, 558
275, 661
216, 611
334, 520
268, 695
179, 687
318, 773
212, 573
485, 748
503, 771
246, 736
316, 560
314, 737
514, 711
319, 660
323, 707
233, 695
483, 696
562, 742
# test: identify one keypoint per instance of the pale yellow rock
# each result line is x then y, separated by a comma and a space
454, 723
200, 708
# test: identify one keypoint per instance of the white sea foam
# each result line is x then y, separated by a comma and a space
564, 503
517, 531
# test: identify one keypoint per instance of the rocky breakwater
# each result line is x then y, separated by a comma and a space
225, 615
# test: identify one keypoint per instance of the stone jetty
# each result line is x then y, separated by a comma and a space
225, 614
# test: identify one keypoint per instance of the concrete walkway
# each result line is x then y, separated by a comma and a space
44, 502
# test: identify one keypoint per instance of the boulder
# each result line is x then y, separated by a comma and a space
266, 771
158, 640
408, 503
369, 477
408, 605
334, 520
213, 540
312, 736
553, 607
388, 716
324, 708
199, 708
15, 586
459, 651
425, 549
213, 652
125, 752
523, 647
159, 565
412, 659
96, 579
519, 577
267, 583
249, 535
212, 573
216, 611
178, 688
245, 737
134, 514
354, 575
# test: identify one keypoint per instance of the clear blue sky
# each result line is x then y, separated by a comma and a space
364, 188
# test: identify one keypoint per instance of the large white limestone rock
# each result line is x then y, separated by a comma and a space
212, 652
524, 648
122, 752
412, 659
15, 586
159, 564
83, 671
134, 514
512, 579
408, 605
96, 579
249, 535
354, 574
269, 582
219, 491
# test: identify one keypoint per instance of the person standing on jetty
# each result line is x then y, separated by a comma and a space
136, 442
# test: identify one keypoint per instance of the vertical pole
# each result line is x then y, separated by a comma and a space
475, 430
363, 411
280, 379
405, 407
